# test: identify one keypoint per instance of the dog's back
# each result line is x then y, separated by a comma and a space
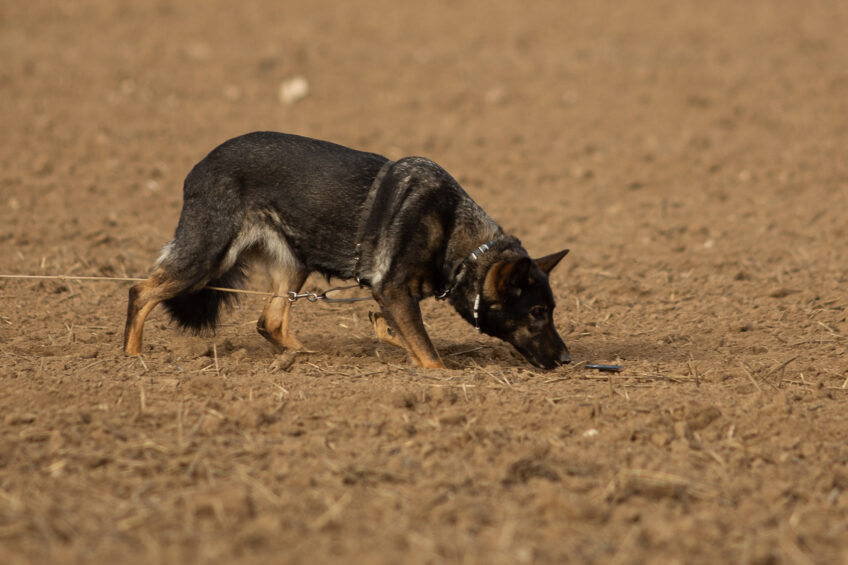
310, 190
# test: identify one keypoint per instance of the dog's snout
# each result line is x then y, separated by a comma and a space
564, 357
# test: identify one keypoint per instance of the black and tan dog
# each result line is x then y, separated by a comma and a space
404, 228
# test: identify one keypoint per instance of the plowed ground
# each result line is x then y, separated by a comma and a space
691, 155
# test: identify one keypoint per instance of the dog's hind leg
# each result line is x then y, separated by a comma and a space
143, 297
403, 315
273, 324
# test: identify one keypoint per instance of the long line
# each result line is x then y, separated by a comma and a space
124, 279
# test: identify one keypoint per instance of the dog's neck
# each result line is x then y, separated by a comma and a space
459, 272
465, 290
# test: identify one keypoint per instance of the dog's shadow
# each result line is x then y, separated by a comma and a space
456, 355
468, 354
587, 350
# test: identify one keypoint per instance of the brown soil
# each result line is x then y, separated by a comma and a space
691, 154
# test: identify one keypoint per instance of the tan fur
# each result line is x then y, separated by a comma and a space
494, 285
403, 314
383, 331
273, 324
145, 296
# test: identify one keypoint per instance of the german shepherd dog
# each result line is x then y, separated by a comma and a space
404, 228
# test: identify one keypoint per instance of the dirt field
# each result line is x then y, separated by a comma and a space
692, 155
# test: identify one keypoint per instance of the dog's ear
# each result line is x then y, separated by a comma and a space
503, 276
548, 262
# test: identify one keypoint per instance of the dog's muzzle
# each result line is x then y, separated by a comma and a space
556, 360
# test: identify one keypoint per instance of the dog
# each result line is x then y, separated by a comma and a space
406, 229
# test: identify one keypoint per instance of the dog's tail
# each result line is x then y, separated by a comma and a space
199, 312
206, 250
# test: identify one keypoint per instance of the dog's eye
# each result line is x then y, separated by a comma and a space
539, 312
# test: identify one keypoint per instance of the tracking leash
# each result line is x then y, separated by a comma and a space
291, 295
316, 296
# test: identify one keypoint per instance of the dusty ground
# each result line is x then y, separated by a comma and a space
693, 157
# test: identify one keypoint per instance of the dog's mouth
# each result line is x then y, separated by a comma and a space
563, 358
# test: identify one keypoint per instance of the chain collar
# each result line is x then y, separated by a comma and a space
473, 256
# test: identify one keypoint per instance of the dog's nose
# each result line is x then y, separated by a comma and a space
565, 357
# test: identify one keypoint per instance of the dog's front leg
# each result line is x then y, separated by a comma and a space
403, 314
384, 331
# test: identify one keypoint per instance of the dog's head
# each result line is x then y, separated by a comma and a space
518, 307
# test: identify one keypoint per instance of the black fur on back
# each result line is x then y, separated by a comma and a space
199, 312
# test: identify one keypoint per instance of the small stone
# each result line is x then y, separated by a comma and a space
293, 90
